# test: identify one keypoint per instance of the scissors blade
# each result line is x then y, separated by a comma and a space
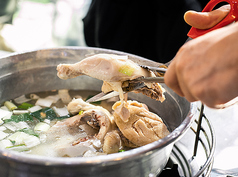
95, 98
108, 95
139, 84
151, 79
102, 96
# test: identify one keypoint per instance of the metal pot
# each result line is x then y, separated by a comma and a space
35, 71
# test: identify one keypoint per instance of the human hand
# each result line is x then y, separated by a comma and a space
206, 68
205, 20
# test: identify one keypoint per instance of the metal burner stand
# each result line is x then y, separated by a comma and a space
195, 158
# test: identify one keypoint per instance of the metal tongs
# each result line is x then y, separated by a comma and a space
156, 68
131, 85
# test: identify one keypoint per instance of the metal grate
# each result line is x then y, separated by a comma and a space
183, 160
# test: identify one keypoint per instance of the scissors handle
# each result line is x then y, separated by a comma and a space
231, 17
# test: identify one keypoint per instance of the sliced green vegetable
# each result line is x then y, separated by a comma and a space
18, 118
42, 127
29, 132
18, 138
25, 106
121, 150
19, 148
45, 113
22, 138
12, 141
31, 141
41, 115
126, 69
10, 105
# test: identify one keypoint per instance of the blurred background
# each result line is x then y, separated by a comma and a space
148, 29
32, 24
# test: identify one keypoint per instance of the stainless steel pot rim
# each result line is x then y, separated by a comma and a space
118, 157
67, 47
75, 48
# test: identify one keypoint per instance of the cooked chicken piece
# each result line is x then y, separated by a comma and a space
112, 142
153, 90
113, 70
77, 105
99, 119
142, 126
126, 142
73, 126
80, 133
106, 67
137, 124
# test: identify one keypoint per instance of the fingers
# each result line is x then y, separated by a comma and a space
170, 79
205, 20
178, 81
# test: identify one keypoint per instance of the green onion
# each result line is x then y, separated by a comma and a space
31, 141
18, 138
45, 113
12, 141
10, 105
18, 118
41, 115
18, 148
22, 138
25, 106
29, 131
80, 112
13, 126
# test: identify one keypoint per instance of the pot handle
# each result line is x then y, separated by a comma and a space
231, 17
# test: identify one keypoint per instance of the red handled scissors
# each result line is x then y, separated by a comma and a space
232, 16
